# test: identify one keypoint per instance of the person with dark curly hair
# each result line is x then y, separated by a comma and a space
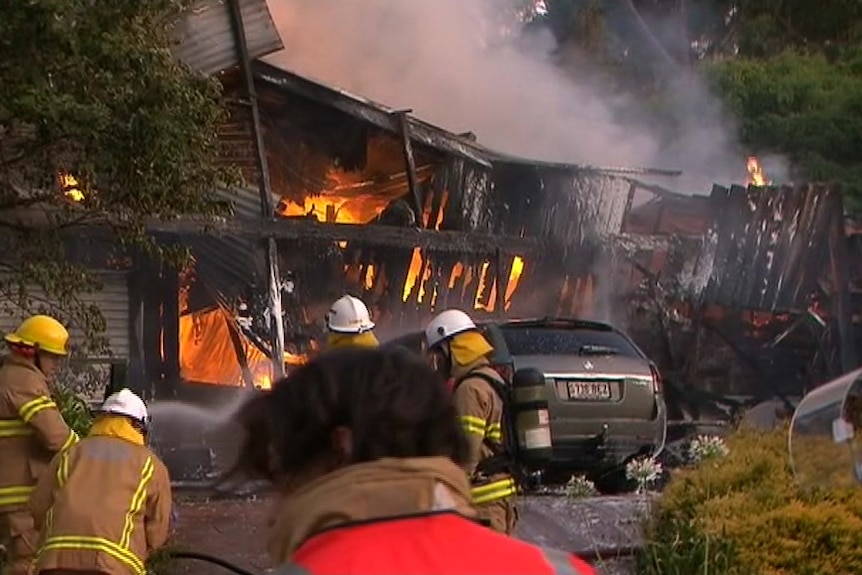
366, 451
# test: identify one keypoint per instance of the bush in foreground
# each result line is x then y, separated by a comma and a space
744, 514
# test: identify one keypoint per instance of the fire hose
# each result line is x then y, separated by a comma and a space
209, 559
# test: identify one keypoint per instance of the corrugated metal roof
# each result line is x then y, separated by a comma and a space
769, 247
368, 111
422, 132
205, 37
226, 265
245, 201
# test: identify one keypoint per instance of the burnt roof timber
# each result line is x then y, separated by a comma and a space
631, 243
368, 111
379, 235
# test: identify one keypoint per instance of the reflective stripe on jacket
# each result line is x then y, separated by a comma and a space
104, 506
480, 410
31, 430
430, 544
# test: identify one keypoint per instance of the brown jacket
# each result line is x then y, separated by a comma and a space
104, 505
480, 409
377, 490
31, 430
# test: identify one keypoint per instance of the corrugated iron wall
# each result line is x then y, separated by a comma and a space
205, 34
769, 247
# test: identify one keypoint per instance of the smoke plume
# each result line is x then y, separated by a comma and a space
434, 57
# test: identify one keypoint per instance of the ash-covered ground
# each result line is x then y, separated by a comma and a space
235, 529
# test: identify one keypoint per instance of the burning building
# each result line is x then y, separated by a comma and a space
374, 202
411, 218
346, 195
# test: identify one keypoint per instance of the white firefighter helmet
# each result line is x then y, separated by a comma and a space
349, 315
127, 404
447, 324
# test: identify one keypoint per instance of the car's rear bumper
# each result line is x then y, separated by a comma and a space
610, 446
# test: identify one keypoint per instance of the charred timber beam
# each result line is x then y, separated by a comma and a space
752, 362
838, 263
501, 288
170, 340
266, 201
654, 189
630, 198
378, 235
410, 162
370, 112
635, 242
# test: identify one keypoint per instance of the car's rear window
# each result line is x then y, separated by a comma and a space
562, 341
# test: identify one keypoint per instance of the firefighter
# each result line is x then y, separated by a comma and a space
31, 430
365, 451
349, 324
105, 504
458, 350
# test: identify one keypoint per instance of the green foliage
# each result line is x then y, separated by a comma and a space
74, 409
805, 106
91, 89
745, 515
790, 71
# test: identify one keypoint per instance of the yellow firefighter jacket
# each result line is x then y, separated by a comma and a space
480, 409
31, 431
104, 505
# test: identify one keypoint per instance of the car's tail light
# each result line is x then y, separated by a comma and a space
505, 371
656, 380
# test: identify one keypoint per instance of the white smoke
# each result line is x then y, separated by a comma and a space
434, 57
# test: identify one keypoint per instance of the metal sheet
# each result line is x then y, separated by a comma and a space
205, 37
770, 245
245, 201
112, 301
225, 265
371, 112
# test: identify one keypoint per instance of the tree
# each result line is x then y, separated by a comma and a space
807, 107
91, 97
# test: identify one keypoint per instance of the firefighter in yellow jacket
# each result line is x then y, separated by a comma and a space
31, 430
460, 351
349, 324
105, 504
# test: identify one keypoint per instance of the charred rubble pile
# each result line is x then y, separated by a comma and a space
742, 293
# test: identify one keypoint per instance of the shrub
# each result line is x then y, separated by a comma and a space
74, 409
579, 487
744, 514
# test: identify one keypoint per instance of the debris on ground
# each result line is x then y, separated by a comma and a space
235, 530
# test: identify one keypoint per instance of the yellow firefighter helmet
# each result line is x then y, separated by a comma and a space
43, 332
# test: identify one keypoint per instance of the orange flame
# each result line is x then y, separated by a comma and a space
295, 358
756, 177
370, 274
485, 296
263, 381
514, 278
71, 187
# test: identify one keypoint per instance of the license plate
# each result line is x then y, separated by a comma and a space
590, 390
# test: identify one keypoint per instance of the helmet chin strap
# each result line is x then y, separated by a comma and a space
446, 352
